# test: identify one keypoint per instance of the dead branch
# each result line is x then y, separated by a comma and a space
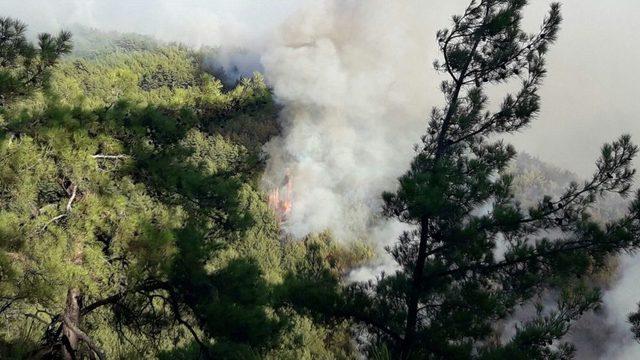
53, 220
84, 337
74, 189
102, 156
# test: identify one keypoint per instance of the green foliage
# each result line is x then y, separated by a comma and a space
91, 43
475, 254
307, 340
132, 177
25, 67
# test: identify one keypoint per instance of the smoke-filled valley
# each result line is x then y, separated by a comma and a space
295, 180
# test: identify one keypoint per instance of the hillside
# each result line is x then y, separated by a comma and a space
132, 215
163, 163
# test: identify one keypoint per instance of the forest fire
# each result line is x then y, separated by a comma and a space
280, 198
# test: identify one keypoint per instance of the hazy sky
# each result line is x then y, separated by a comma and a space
589, 97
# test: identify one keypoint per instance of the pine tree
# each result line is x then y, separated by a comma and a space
25, 67
131, 225
475, 255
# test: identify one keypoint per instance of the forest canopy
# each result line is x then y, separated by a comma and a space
131, 222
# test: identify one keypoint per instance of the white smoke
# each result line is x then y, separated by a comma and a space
237, 29
192, 22
619, 302
353, 77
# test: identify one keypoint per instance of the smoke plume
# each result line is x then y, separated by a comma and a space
351, 76
619, 301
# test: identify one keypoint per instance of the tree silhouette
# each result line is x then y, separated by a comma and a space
475, 256
25, 67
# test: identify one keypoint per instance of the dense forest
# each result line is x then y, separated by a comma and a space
133, 224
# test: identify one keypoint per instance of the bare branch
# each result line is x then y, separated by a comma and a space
84, 337
112, 157
52, 221
74, 189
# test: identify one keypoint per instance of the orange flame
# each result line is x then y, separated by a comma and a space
281, 202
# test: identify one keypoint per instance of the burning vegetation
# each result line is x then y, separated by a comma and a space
280, 198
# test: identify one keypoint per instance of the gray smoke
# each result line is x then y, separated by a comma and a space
351, 76
619, 301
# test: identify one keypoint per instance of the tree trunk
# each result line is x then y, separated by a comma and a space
418, 271
72, 314
414, 294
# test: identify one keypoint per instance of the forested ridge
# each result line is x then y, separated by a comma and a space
133, 224
129, 184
